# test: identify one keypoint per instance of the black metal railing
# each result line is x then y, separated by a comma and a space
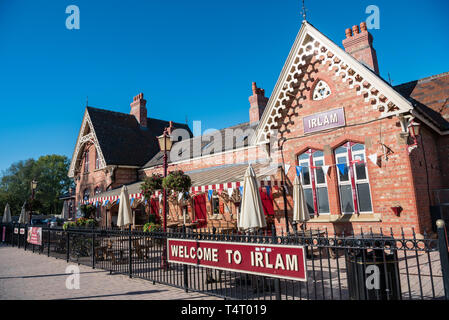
365, 266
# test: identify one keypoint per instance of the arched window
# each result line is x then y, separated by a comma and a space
86, 161
97, 160
353, 181
314, 181
86, 194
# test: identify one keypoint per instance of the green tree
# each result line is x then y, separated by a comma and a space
51, 173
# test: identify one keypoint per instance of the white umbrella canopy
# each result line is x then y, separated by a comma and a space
65, 211
124, 209
300, 210
7, 214
251, 215
23, 218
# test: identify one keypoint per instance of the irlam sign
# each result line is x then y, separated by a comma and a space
279, 261
324, 120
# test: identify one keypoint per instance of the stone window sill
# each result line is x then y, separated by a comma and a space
334, 218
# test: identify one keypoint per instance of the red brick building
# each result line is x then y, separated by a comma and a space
369, 154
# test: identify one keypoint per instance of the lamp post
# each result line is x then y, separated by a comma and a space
33, 189
165, 145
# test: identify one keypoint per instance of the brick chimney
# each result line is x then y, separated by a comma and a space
139, 109
258, 102
359, 44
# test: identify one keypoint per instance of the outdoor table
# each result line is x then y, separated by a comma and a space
305, 238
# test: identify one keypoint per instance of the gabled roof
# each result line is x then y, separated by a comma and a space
123, 141
119, 138
430, 96
206, 143
312, 43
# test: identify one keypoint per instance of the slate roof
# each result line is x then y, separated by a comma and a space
187, 149
123, 141
430, 97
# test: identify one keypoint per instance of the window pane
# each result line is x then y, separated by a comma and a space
347, 205
364, 197
360, 168
358, 147
306, 176
318, 154
304, 156
345, 176
323, 200
340, 150
319, 172
309, 200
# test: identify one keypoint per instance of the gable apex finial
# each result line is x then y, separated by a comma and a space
304, 16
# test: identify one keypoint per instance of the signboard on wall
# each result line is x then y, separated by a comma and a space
271, 260
324, 120
35, 235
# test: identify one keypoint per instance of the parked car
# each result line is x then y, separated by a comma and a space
38, 222
55, 222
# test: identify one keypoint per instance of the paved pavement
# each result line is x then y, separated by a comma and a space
29, 276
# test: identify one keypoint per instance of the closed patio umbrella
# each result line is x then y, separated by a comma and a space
23, 218
65, 211
7, 214
252, 216
300, 210
124, 210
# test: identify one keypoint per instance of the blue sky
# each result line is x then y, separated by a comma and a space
193, 59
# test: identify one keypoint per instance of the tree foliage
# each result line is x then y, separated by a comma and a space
50, 171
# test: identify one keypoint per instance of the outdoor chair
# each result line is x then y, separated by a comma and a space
141, 249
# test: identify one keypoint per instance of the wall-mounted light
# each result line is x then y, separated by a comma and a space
414, 128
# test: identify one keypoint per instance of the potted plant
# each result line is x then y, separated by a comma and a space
88, 210
151, 184
177, 181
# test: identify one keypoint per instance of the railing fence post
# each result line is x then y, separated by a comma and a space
277, 281
26, 237
186, 278
444, 255
49, 242
130, 252
93, 247
68, 245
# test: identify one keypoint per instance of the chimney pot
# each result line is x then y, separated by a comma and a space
355, 29
348, 33
363, 27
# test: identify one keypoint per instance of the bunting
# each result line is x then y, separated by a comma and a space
373, 158
268, 188
325, 169
342, 167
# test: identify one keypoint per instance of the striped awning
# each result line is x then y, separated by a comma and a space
214, 178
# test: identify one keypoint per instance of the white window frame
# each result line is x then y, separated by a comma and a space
306, 162
352, 174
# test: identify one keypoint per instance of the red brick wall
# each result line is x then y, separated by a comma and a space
391, 183
101, 178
